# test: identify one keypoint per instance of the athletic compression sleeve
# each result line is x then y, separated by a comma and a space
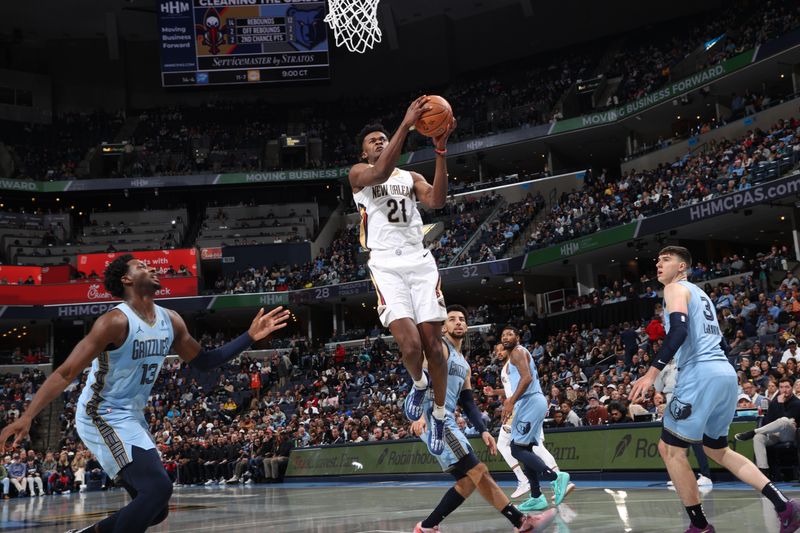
210, 359
677, 334
467, 403
724, 346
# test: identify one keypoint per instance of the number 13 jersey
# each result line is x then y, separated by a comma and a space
389, 216
121, 380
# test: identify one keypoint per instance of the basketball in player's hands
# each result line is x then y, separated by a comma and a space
434, 121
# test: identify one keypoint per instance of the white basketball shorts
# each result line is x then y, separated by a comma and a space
408, 285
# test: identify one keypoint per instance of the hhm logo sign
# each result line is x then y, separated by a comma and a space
569, 248
174, 7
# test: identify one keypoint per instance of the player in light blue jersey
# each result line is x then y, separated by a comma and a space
704, 399
126, 347
458, 459
528, 407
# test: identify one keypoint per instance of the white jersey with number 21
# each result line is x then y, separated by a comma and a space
389, 215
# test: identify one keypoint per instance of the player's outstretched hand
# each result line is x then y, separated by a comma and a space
488, 391
440, 142
490, 443
418, 427
640, 388
415, 110
264, 324
18, 429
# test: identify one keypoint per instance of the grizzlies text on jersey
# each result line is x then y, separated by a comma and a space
109, 416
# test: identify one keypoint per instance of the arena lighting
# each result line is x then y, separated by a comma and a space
708, 44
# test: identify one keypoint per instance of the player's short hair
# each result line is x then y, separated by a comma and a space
366, 130
678, 251
512, 328
113, 275
458, 309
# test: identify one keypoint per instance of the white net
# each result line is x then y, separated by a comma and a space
354, 23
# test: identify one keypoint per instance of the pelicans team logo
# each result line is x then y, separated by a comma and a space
306, 27
212, 31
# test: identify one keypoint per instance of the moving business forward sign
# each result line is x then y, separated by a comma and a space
671, 90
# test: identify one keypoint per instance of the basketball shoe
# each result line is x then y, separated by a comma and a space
790, 517
694, 529
532, 523
413, 403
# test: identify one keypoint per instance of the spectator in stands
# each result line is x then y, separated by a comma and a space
4, 479
617, 413
768, 326
61, 481
780, 424
95, 472
17, 472
750, 390
49, 466
596, 414
276, 464
570, 416
791, 351
655, 329
33, 476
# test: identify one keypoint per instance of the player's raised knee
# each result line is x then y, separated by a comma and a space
477, 472
161, 487
161, 516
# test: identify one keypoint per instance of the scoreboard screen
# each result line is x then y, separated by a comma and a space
213, 42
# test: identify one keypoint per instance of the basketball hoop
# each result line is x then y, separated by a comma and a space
354, 23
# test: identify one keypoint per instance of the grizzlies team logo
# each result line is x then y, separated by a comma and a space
306, 27
523, 427
678, 409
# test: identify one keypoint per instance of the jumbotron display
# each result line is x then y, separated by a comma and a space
217, 42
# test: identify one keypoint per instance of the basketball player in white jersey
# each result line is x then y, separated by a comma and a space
410, 300
504, 442
126, 348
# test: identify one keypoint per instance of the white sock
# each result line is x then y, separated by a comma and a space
520, 474
421, 383
438, 412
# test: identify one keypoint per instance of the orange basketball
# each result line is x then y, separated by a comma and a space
434, 122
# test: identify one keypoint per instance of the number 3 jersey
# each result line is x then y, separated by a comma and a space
390, 219
702, 343
120, 380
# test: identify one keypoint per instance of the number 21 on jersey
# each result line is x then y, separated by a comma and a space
394, 205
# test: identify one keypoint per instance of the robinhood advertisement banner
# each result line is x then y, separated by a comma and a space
676, 88
581, 245
623, 447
